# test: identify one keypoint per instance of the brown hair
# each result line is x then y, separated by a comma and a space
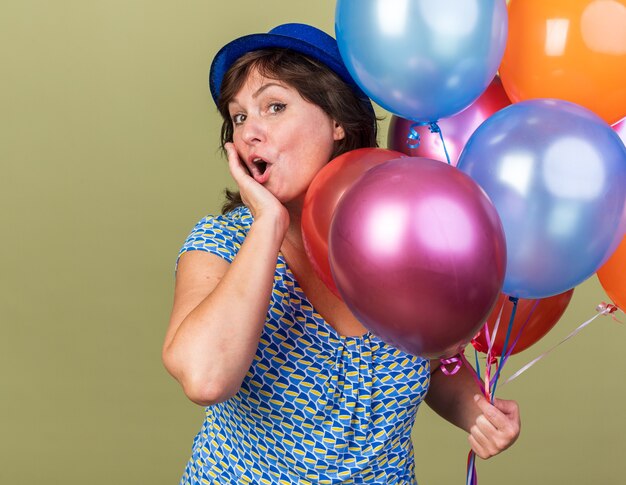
316, 83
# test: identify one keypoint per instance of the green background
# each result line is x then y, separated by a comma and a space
108, 145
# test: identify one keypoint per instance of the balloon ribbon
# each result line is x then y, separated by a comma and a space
602, 309
489, 388
490, 384
413, 139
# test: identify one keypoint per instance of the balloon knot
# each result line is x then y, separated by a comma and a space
606, 308
434, 127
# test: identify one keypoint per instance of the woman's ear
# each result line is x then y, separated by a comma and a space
338, 131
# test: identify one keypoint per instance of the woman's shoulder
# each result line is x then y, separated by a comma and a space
234, 224
238, 219
220, 234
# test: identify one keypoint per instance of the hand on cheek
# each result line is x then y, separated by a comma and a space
496, 428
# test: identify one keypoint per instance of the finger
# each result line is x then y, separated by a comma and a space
487, 446
477, 448
492, 413
487, 428
510, 410
480, 437
504, 436
234, 162
507, 407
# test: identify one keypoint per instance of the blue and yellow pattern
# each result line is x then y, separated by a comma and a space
315, 407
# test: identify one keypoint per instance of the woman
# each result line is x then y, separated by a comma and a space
297, 392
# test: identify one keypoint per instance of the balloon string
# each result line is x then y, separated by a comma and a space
509, 351
603, 309
413, 140
477, 364
492, 338
494, 384
489, 389
475, 374
472, 477
490, 357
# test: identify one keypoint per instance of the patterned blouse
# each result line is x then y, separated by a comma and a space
315, 407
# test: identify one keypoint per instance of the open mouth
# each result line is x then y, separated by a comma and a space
260, 170
261, 165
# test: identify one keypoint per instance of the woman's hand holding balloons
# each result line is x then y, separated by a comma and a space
492, 428
496, 428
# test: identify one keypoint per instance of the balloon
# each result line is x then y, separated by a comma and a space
420, 59
612, 276
556, 173
620, 129
418, 254
534, 318
568, 49
322, 197
456, 130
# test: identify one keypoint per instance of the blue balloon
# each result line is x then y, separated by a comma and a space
422, 59
556, 173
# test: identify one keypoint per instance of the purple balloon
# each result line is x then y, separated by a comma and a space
556, 173
418, 254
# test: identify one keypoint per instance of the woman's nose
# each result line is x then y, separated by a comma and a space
253, 130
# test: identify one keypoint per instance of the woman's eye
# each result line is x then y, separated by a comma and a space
277, 107
238, 118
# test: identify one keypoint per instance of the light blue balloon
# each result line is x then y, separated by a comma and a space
556, 173
422, 59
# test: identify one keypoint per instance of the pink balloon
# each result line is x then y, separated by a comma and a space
418, 254
456, 129
322, 197
620, 129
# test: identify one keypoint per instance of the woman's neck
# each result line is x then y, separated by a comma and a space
293, 237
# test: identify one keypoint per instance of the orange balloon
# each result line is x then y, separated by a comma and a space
568, 49
612, 276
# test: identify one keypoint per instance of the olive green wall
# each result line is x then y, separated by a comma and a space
108, 146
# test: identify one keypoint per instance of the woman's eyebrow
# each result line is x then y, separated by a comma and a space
264, 87
258, 92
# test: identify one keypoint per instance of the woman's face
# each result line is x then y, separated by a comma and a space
282, 139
